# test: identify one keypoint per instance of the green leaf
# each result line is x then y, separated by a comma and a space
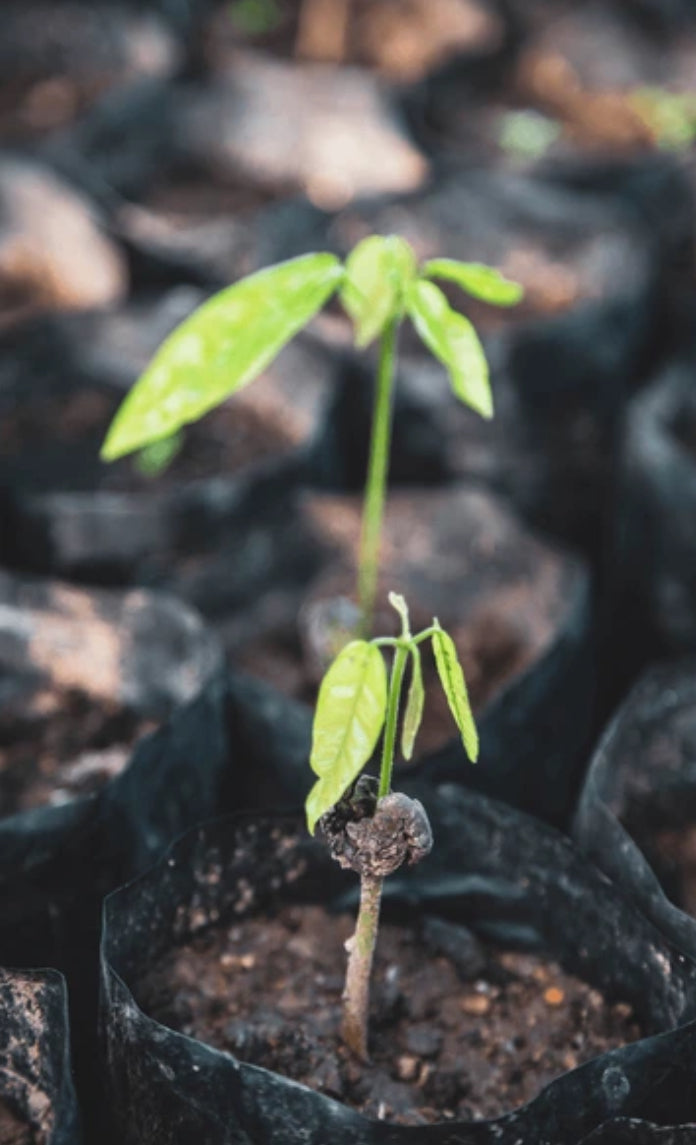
483, 282
414, 705
348, 720
153, 459
378, 271
221, 347
452, 338
454, 686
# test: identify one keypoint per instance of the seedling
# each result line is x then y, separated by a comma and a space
229, 340
369, 828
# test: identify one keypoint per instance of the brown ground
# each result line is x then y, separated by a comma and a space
225, 441
12, 1130
675, 855
70, 748
446, 1043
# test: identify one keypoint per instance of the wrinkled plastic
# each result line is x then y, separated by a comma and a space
641, 780
534, 736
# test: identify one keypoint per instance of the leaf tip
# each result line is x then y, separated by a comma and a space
112, 448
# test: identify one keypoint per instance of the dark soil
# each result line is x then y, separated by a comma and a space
225, 442
466, 1032
45, 434
684, 428
12, 1130
501, 595
673, 855
182, 198
67, 745
402, 38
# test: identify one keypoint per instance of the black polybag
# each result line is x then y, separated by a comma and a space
642, 780
512, 879
535, 735
654, 552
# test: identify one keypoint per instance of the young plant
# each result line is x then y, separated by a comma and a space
228, 341
368, 827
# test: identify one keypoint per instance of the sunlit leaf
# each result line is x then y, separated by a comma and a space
452, 338
414, 705
223, 346
483, 282
378, 270
454, 686
348, 720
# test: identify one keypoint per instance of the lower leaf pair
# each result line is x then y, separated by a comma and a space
358, 702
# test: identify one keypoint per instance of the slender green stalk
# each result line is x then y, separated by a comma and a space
425, 634
361, 949
376, 485
389, 741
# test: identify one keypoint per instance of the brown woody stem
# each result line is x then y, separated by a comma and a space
361, 948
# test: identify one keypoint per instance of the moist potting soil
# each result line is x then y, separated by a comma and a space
463, 1039
67, 747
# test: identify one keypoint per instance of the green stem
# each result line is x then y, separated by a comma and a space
393, 698
426, 634
361, 948
376, 485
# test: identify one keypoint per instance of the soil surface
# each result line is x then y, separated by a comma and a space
48, 430
12, 1130
68, 745
466, 1032
502, 595
673, 855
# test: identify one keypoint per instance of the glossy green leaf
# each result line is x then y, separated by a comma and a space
452, 338
348, 720
454, 686
223, 346
481, 281
318, 802
414, 705
378, 270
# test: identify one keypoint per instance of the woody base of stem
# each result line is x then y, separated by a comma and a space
361, 948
